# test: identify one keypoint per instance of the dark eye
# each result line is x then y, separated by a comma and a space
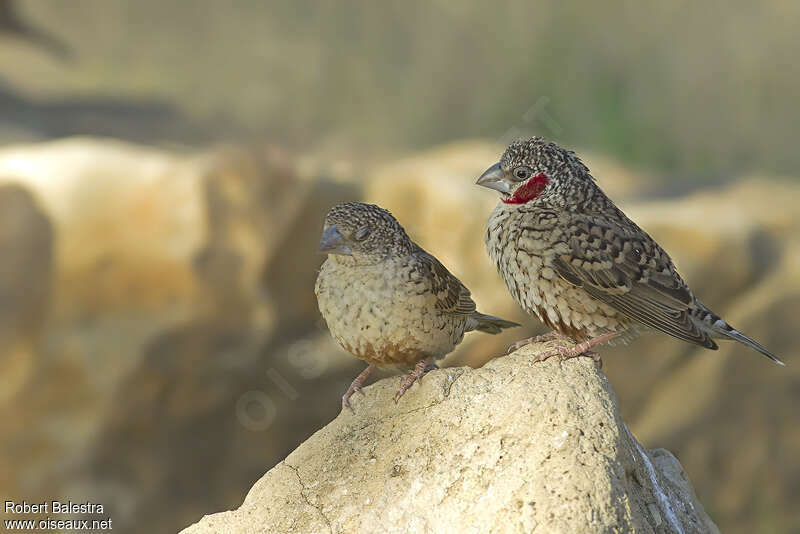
362, 233
522, 173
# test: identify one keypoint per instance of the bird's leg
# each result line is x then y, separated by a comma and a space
581, 349
549, 336
355, 386
422, 367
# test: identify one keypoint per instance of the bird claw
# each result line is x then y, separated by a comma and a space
350, 392
346, 403
566, 353
407, 382
422, 367
581, 349
355, 386
549, 336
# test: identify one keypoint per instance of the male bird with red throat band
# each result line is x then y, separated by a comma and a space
572, 258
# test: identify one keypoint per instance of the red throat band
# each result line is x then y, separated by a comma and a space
529, 190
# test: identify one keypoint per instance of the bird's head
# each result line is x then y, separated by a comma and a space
365, 233
535, 169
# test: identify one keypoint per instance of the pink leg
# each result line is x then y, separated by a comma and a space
581, 349
422, 367
356, 387
549, 336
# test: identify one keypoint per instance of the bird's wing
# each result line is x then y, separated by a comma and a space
451, 295
619, 264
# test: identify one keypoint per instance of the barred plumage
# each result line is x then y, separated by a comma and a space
572, 258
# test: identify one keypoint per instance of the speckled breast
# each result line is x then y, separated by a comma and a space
375, 314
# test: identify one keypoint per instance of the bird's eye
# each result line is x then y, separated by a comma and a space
362, 233
522, 173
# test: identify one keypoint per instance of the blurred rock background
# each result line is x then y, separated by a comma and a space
165, 169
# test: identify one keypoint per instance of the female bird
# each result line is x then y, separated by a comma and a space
569, 256
386, 300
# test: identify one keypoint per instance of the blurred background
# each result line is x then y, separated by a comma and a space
166, 166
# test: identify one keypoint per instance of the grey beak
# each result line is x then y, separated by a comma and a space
494, 178
333, 242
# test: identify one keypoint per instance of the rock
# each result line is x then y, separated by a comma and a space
515, 446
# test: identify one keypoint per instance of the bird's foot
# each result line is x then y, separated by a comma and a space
549, 336
355, 386
422, 367
565, 353
581, 349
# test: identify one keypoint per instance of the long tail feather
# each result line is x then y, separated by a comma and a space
755, 345
718, 328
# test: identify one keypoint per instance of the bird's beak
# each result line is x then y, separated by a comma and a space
333, 242
494, 178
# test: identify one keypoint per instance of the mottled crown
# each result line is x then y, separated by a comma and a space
352, 215
543, 156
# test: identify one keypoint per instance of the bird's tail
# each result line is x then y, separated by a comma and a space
488, 323
719, 329
755, 345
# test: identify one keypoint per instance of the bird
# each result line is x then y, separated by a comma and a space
386, 300
572, 258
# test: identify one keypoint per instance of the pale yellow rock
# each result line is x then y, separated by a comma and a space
128, 219
512, 447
